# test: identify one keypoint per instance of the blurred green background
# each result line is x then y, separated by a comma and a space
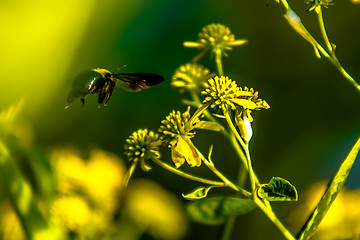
315, 113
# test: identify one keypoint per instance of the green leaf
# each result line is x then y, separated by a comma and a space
22, 199
43, 174
215, 210
207, 125
330, 194
198, 193
278, 189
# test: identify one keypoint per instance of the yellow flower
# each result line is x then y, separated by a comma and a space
191, 76
177, 130
217, 38
141, 146
155, 211
10, 226
72, 213
223, 92
93, 185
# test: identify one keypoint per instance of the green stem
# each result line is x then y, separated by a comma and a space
218, 62
200, 56
253, 178
323, 31
295, 22
187, 175
272, 216
227, 182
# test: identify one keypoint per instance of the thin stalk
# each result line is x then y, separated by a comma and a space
272, 216
218, 62
187, 175
200, 56
323, 31
227, 182
295, 23
253, 178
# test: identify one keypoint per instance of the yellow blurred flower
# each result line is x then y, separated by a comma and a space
71, 212
217, 38
191, 76
342, 221
92, 186
10, 227
154, 210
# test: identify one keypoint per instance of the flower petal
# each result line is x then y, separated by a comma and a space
187, 149
177, 158
245, 103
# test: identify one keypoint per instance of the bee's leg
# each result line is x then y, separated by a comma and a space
109, 90
82, 101
102, 95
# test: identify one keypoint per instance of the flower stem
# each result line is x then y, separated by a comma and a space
272, 216
187, 175
245, 147
200, 56
227, 182
323, 31
295, 23
218, 62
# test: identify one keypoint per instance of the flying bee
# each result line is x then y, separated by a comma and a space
103, 82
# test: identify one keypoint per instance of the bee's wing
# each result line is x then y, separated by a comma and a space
137, 81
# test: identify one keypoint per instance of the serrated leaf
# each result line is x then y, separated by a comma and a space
278, 189
215, 210
330, 194
197, 194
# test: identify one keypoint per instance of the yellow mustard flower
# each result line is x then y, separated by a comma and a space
176, 131
141, 146
216, 38
155, 211
191, 77
223, 92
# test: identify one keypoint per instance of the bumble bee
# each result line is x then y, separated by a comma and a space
103, 82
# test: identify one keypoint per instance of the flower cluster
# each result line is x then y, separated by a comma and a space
176, 131
191, 76
141, 145
222, 92
217, 38
314, 4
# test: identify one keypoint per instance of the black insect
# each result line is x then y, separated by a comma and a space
103, 82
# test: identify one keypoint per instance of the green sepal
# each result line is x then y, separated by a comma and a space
207, 125
198, 193
215, 210
278, 189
